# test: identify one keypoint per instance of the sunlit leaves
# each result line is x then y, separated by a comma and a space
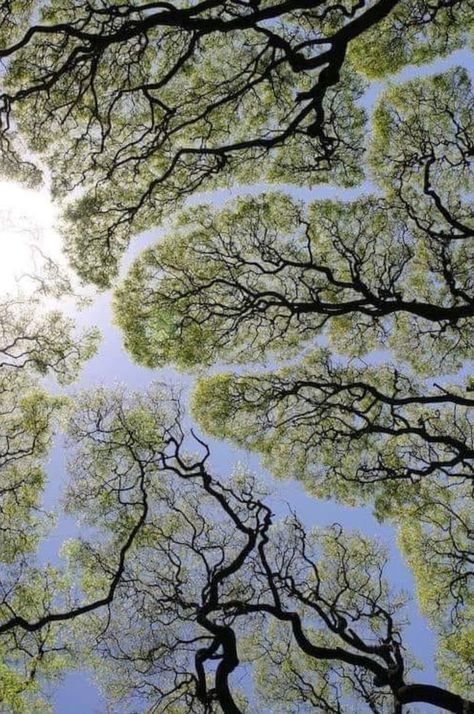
209, 564
141, 137
414, 33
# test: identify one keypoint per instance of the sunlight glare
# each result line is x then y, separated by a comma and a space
27, 220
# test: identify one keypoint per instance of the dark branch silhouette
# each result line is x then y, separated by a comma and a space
143, 104
249, 575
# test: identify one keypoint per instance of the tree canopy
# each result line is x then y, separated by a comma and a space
270, 273
344, 329
34, 342
361, 314
142, 104
201, 579
214, 581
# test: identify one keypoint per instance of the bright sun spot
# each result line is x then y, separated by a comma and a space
27, 220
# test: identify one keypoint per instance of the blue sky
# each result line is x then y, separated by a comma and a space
77, 694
